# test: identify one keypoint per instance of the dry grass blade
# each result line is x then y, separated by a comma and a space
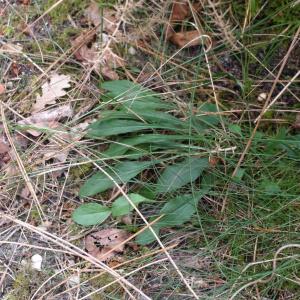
248, 145
74, 250
21, 166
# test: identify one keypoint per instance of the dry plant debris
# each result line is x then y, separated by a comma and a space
51, 91
99, 56
100, 243
58, 161
47, 119
180, 12
107, 22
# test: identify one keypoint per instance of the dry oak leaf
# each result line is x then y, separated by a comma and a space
80, 44
51, 91
47, 119
187, 38
101, 61
108, 22
99, 244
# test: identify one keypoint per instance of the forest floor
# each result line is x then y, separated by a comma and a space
149, 149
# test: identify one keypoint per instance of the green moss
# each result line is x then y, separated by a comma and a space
26, 282
59, 14
101, 281
34, 215
21, 287
80, 171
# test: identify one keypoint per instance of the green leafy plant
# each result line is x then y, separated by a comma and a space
90, 214
175, 212
94, 213
140, 126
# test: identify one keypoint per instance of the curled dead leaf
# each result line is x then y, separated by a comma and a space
105, 244
187, 38
181, 11
106, 21
47, 119
68, 138
102, 61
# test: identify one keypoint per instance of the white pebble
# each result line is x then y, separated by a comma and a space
131, 51
262, 97
36, 262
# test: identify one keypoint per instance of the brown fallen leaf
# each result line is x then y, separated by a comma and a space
15, 69
99, 243
51, 91
180, 11
187, 38
47, 119
110, 61
101, 61
107, 22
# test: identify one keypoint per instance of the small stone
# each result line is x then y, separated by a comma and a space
9, 85
131, 51
262, 97
36, 262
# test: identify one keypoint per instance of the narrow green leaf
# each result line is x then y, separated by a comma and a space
121, 173
126, 89
122, 207
105, 128
91, 214
123, 145
176, 212
234, 128
147, 237
178, 175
